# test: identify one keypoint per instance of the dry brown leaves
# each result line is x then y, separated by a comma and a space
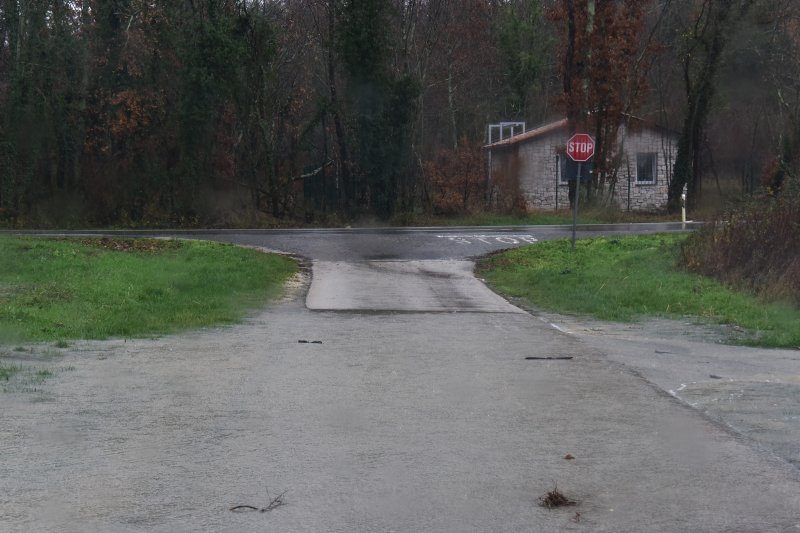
555, 498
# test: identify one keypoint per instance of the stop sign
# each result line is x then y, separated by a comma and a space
580, 147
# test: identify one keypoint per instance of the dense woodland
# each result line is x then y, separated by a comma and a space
254, 112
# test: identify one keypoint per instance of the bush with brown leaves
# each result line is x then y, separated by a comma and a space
756, 246
456, 179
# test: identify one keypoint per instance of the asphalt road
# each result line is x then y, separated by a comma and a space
392, 392
386, 244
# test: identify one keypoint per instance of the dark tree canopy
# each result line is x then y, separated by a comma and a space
253, 112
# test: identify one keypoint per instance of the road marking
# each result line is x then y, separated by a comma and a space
680, 389
491, 239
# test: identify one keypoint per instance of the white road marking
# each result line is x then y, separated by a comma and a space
491, 239
673, 393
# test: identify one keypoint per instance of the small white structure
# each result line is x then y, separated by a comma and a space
535, 162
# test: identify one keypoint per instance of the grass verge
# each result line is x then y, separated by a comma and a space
540, 218
621, 279
56, 290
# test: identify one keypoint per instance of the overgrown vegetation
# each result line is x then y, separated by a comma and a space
630, 277
54, 290
278, 112
456, 180
756, 246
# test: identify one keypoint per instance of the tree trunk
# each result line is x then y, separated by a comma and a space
451, 106
714, 34
341, 141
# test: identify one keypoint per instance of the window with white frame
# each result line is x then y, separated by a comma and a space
562, 169
646, 167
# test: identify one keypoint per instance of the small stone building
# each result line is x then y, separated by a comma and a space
535, 161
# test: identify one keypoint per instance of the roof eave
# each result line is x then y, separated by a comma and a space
532, 134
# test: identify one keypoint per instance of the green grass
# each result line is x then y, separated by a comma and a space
6, 371
541, 218
622, 279
43, 374
57, 290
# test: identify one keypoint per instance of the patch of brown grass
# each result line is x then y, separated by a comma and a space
132, 245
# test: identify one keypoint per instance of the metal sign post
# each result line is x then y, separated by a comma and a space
575, 211
580, 148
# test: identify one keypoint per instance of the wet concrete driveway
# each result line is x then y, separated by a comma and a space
402, 286
429, 419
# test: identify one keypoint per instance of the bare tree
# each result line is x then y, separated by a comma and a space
709, 30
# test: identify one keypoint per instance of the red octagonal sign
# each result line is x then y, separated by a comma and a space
580, 147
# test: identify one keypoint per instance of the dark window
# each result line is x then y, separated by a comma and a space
568, 170
646, 167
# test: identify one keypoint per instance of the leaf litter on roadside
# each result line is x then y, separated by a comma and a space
555, 498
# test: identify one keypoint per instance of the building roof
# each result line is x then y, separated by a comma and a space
530, 134
557, 125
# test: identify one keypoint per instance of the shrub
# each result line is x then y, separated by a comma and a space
756, 246
456, 180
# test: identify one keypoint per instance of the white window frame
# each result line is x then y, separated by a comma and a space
653, 170
561, 168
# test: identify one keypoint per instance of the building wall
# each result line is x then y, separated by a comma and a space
535, 163
645, 196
